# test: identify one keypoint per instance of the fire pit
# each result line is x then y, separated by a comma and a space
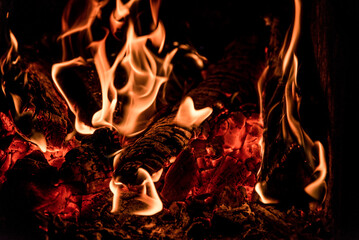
111, 131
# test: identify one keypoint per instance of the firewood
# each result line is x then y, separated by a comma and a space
87, 166
234, 75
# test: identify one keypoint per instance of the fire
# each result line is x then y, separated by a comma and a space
314, 151
141, 199
188, 117
10, 54
144, 201
11, 59
146, 73
264, 199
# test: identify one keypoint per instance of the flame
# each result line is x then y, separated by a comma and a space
150, 202
259, 187
35, 137
10, 54
118, 16
56, 70
4, 61
188, 117
314, 151
146, 75
146, 72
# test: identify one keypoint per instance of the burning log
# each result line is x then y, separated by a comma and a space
233, 77
151, 151
33, 115
39, 113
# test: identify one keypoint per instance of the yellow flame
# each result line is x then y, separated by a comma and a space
188, 117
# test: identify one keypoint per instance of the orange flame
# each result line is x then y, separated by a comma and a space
188, 117
148, 201
264, 199
145, 201
13, 49
146, 72
314, 151
56, 70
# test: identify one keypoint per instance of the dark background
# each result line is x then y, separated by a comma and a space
208, 25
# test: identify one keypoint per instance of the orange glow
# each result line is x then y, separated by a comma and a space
188, 117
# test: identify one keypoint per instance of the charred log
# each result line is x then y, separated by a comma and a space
35, 105
88, 166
